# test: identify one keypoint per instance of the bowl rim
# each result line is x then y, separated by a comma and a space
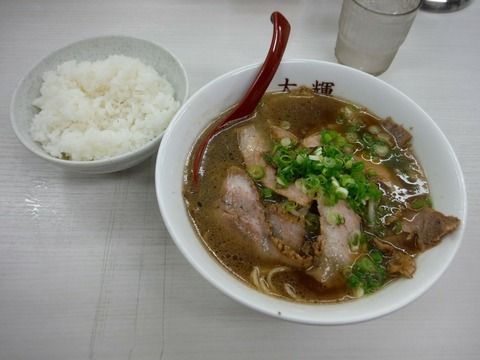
87, 164
304, 318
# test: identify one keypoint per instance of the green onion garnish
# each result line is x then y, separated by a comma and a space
286, 141
335, 218
328, 169
257, 172
381, 150
374, 129
351, 137
420, 203
266, 193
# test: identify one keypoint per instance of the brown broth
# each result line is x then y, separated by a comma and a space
306, 114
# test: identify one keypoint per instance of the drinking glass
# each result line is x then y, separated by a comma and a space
370, 32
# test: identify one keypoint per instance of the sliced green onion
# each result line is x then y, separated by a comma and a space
366, 264
374, 129
358, 167
354, 241
346, 181
376, 256
312, 183
286, 141
281, 181
285, 125
290, 206
358, 292
300, 159
267, 193
328, 168
335, 183
329, 162
421, 203
326, 137
351, 137
256, 172
347, 111
283, 160
335, 218
353, 281
341, 192
381, 149
367, 139
371, 173
367, 273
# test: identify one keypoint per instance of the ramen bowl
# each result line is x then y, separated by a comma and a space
430, 146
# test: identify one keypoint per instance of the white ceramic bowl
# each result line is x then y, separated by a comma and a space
431, 147
99, 48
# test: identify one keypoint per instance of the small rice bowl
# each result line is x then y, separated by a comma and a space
97, 110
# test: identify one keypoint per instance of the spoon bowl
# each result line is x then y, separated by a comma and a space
281, 32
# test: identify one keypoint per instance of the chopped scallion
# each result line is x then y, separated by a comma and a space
290, 206
381, 150
351, 137
329, 162
329, 168
257, 172
281, 182
286, 141
374, 129
341, 192
267, 193
420, 203
335, 218
354, 241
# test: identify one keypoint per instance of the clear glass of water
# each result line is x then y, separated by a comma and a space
370, 32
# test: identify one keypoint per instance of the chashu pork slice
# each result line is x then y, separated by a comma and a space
335, 254
428, 227
241, 207
311, 141
279, 134
288, 228
253, 147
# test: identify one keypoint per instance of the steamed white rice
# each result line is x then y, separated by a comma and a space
97, 110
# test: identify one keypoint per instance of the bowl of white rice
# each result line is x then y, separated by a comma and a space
99, 105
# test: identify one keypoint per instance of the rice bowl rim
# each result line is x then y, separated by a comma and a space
107, 161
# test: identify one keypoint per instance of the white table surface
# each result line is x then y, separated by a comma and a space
87, 269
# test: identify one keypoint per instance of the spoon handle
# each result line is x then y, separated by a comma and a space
281, 31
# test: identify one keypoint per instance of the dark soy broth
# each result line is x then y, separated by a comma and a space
303, 113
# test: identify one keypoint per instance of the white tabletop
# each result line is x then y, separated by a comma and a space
87, 269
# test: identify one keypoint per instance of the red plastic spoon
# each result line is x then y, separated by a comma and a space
281, 31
